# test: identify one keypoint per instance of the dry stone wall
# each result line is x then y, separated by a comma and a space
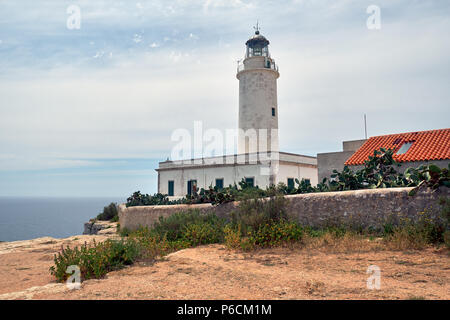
360, 209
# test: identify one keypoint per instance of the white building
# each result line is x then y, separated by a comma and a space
258, 161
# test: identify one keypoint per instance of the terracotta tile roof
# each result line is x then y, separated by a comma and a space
426, 145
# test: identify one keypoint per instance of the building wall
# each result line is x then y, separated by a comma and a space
327, 162
361, 208
296, 171
352, 145
206, 176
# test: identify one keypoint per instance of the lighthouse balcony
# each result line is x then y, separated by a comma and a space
265, 63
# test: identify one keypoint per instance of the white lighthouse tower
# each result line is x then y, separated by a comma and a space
258, 106
259, 161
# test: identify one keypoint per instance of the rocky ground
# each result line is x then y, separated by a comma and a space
212, 272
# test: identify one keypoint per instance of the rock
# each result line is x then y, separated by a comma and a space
100, 227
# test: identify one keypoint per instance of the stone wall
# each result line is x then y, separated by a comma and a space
361, 208
364, 208
134, 217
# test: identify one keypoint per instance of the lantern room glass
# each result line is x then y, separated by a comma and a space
253, 51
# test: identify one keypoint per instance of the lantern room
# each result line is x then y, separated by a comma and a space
257, 45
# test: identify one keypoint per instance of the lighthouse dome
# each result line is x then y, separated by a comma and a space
257, 41
257, 45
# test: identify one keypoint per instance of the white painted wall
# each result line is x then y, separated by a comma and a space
206, 176
295, 171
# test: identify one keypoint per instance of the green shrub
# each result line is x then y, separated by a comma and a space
190, 225
110, 212
314, 232
251, 214
96, 260
203, 233
275, 234
139, 199
232, 236
416, 233
124, 232
153, 245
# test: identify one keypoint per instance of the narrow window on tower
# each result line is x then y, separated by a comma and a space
273, 112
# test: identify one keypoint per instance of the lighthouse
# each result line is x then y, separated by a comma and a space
258, 106
258, 161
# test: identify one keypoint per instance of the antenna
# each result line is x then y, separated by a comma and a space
365, 125
257, 27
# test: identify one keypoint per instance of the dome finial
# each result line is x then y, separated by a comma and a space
256, 28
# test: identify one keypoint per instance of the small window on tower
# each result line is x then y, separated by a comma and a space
273, 112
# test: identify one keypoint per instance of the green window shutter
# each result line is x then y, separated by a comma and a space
250, 181
170, 188
219, 183
190, 186
290, 183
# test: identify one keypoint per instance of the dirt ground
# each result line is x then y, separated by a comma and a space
213, 272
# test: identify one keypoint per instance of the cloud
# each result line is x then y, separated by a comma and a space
14, 162
71, 97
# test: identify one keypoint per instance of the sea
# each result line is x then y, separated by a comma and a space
24, 218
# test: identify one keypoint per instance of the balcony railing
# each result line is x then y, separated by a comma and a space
267, 65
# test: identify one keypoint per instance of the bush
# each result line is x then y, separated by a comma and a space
139, 199
417, 233
276, 233
110, 212
191, 226
153, 245
232, 237
203, 233
95, 261
251, 214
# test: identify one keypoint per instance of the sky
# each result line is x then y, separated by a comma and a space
91, 111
